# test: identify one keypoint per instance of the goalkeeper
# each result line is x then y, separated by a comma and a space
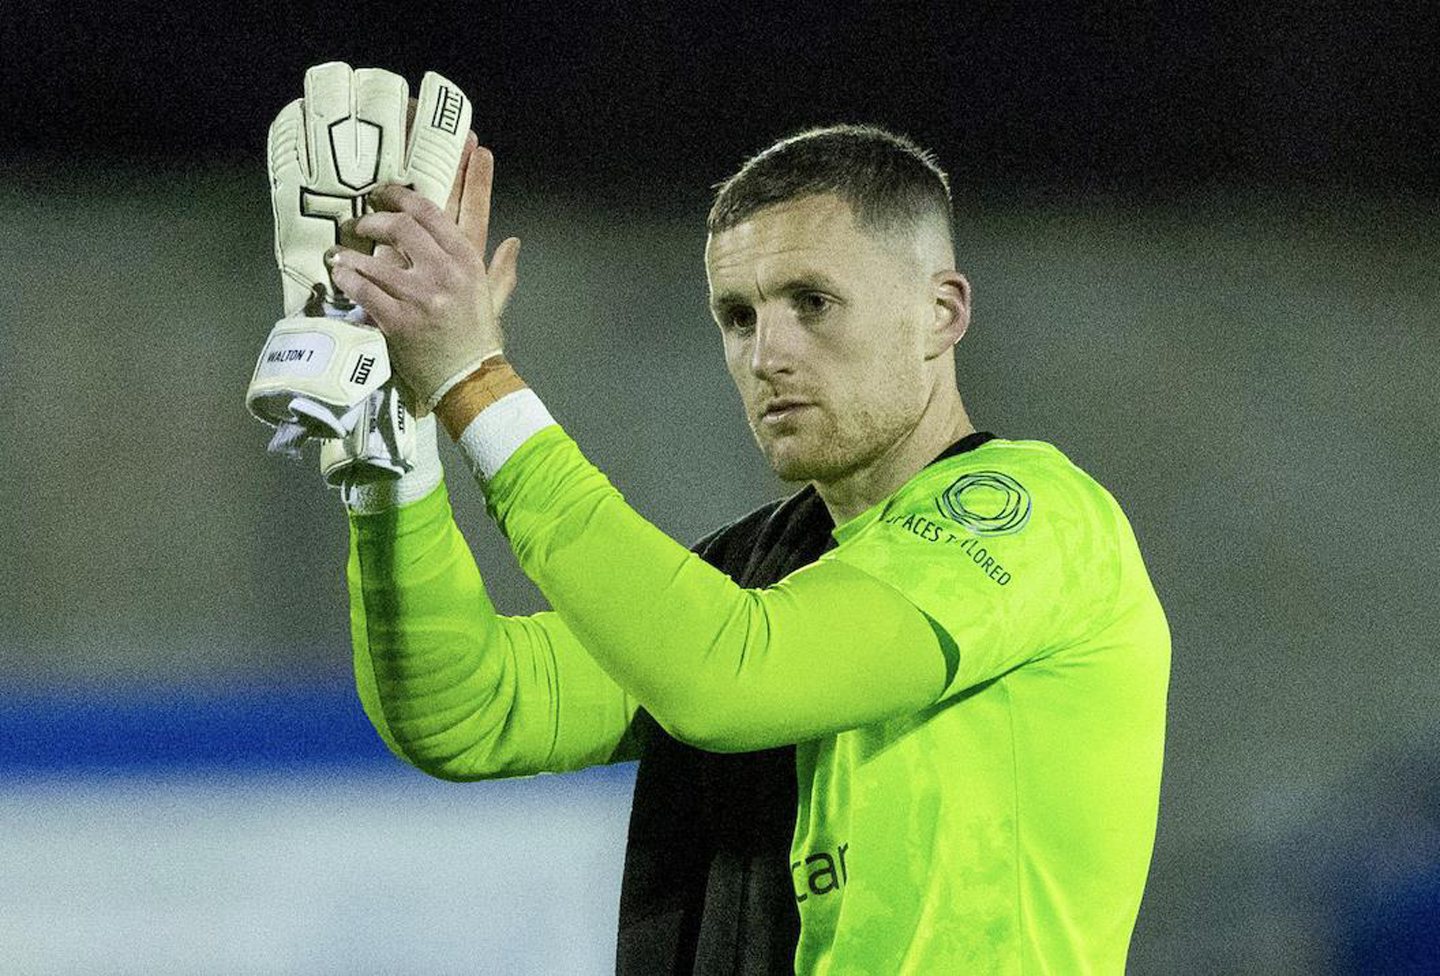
907, 720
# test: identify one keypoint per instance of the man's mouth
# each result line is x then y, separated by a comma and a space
782, 410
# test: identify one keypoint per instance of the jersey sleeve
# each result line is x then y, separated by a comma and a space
451, 686
1011, 561
722, 667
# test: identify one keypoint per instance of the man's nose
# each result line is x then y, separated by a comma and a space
774, 347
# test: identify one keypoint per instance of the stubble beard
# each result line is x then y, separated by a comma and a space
821, 451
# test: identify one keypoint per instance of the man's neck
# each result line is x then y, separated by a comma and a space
938, 428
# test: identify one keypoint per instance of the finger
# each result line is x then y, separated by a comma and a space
474, 217
385, 311
395, 198
504, 274
391, 255
383, 252
452, 207
398, 283
401, 231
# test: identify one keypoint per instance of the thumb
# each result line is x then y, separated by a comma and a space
504, 274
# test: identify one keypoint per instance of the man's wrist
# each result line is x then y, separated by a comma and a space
500, 430
486, 385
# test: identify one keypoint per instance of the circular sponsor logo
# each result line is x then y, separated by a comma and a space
986, 503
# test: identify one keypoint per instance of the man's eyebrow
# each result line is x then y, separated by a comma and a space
728, 299
806, 281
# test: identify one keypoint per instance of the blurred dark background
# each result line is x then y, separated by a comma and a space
1204, 241
628, 98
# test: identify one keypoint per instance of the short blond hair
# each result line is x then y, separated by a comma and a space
888, 181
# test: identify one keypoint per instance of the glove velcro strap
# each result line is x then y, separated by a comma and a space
380, 446
377, 494
315, 371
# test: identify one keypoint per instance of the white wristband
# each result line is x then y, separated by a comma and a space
498, 431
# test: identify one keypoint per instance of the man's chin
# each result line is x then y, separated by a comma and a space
790, 462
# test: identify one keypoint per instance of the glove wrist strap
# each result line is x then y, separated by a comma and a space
372, 495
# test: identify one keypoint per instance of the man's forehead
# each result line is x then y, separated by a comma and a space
816, 232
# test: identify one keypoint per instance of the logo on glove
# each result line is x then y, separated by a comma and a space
355, 148
447, 110
360, 375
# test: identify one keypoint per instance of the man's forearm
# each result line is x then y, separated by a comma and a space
452, 687
719, 666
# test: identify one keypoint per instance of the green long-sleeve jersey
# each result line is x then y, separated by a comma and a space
974, 679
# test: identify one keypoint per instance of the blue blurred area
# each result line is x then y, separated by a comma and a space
1392, 930
178, 730
268, 830
1375, 858
181, 730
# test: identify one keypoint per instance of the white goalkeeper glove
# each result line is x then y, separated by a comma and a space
324, 372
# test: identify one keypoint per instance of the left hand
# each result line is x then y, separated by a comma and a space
440, 310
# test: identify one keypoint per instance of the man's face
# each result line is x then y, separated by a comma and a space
814, 309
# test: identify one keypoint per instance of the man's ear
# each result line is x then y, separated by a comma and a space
951, 303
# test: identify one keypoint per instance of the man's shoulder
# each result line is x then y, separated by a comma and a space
1020, 455
1004, 475
1024, 497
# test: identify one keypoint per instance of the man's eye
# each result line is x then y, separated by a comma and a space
811, 303
740, 319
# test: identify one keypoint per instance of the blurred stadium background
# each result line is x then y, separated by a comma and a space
1204, 241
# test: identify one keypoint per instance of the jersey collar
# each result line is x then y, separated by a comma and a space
967, 443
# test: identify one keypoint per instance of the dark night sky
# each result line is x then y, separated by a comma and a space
1131, 97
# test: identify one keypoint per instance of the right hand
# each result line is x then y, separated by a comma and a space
436, 309
469, 206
